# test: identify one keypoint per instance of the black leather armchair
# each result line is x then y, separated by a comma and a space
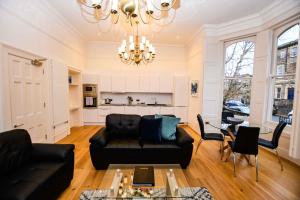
33, 171
118, 143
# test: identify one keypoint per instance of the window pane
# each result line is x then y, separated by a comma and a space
239, 59
287, 47
238, 73
283, 98
283, 86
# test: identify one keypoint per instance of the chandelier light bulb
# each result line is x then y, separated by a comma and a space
131, 39
142, 47
143, 39
114, 6
131, 47
96, 3
165, 3
150, 7
147, 43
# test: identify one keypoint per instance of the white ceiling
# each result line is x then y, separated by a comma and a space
190, 16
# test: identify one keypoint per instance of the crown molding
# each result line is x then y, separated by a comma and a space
118, 43
275, 13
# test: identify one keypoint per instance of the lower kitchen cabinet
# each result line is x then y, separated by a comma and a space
90, 115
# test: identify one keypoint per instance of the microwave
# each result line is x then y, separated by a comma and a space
90, 90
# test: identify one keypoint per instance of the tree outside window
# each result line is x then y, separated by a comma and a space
238, 74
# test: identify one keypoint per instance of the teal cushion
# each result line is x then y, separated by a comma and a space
169, 124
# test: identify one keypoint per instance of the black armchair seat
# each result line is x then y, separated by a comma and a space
33, 171
266, 143
213, 136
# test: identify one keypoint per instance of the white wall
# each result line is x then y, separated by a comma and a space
102, 57
195, 69
34, 26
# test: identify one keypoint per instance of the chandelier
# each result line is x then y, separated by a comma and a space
94, 11
136, 50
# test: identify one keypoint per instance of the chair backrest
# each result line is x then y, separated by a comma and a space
226, 114
201, 125
246, 141
277, 133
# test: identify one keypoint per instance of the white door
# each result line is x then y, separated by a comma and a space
27, 97
181, 91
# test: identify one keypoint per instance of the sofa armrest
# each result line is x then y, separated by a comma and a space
182, 137
100, 138
53, 152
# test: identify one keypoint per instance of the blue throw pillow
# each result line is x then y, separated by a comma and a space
169, 125
151, 129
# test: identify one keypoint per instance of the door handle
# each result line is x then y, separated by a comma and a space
18, 125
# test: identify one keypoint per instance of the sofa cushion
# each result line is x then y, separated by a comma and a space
32, 181
151, 129
15, 150
169, 125
123, 144
123, 126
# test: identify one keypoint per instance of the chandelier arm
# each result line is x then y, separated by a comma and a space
167, 9
88, 20
170, 22
144, 21
118, 17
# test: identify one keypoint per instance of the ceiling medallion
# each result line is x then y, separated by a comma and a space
136, 50
144, 11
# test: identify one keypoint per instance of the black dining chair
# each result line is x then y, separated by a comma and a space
273, 144
246, 142
209, 136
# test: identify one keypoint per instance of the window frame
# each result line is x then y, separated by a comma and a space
272, 74
226, 44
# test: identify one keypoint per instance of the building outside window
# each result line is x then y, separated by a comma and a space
238, 72
284, 73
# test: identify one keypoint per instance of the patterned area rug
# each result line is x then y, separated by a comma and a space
188, 193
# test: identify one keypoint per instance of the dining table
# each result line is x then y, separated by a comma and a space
232, 130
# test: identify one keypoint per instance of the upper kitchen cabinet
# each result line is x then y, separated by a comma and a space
90, 78
181, 91
118, 83
154, 84
144, 83
105, 83
132, 83
166, 84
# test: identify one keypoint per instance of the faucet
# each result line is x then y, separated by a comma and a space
130, 100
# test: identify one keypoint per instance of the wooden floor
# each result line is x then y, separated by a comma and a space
206, 170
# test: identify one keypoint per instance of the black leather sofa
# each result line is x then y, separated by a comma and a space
119, 143
33, 171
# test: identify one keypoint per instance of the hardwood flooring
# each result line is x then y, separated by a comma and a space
206, 170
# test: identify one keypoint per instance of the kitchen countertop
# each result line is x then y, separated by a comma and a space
145, 105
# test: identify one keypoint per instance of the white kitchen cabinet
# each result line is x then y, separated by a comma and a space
182, 113
118, 83
132, 83
117, 109
105, 83
103, 111
167, 111
154, 84
166, 84
181, 91
90, 115
90, 78
144, 83
131, 110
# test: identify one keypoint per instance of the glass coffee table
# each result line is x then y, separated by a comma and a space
170, 183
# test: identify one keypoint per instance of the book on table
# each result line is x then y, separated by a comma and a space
143, 176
